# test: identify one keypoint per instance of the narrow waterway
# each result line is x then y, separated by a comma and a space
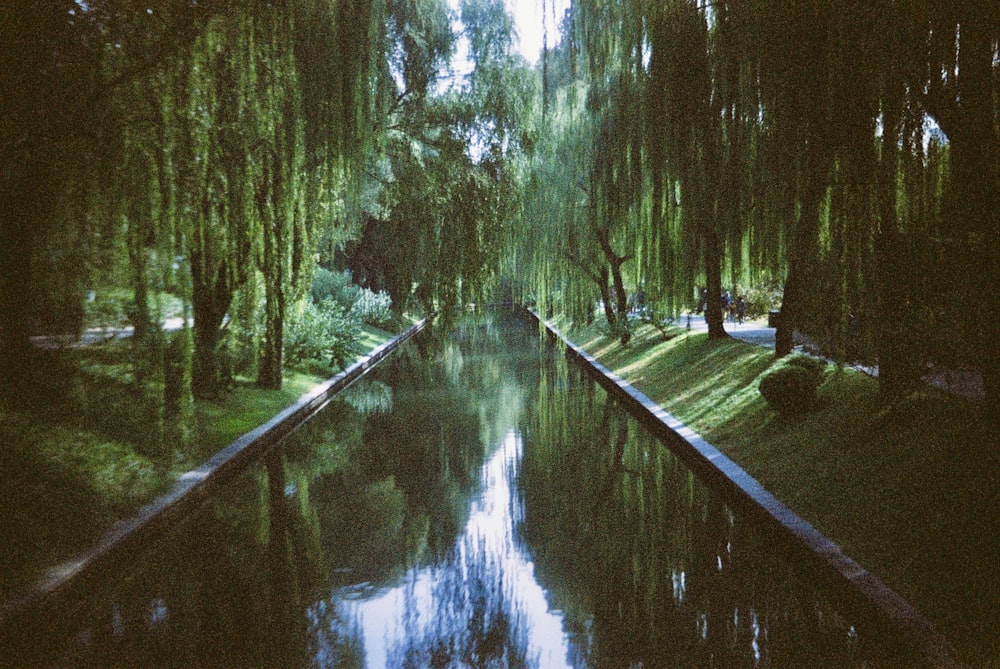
476, 502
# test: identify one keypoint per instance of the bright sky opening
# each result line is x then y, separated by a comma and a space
529, 19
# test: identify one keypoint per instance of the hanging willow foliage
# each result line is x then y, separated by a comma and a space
846, 151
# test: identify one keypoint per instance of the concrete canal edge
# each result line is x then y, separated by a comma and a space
855, 590
42, 606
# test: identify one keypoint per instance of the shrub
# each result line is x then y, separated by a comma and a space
760, 300
790, 389
815, 366
364, 305
337, 286
324, 331
373, 309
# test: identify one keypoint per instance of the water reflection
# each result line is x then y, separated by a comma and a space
480, 606
477, 503
650, 566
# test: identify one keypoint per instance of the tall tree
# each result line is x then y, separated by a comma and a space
49, 115
447, 188
279, 189
961, 95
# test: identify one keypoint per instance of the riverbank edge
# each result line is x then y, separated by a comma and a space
61, 589
854, 588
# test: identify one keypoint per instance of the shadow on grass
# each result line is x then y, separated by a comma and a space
49, 510
912, 490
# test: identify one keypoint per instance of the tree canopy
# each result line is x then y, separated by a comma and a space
844, 152
661, 153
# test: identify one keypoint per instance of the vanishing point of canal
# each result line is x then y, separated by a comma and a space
475, 501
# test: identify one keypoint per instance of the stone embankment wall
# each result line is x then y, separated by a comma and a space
46, 606
877, 609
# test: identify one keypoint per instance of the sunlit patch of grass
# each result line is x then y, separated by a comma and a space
235, 413
370, 338
911, 491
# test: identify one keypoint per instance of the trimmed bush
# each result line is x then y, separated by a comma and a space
815, 366
790, 389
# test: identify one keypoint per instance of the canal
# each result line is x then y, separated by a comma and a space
475, 501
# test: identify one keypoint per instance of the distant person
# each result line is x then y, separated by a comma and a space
741, 309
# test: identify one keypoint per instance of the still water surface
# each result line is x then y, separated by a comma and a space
476, 502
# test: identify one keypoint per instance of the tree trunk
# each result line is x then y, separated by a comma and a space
976, 179
713, 283
897, 373
803, 255
966, 116
25, 209
206, 376
15, 287
270, 373
620, 298
210, 302
606, 299
271, 210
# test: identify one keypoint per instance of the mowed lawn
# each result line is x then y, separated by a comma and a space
909, 491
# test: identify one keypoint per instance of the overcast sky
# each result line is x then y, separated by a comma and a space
528, 19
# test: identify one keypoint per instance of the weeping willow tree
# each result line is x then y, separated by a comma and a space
697, 144
53, 129
567, 269
445, 175
848, 151
960, 84
215, 163
586, 186
667, 176
274, 114
400, 173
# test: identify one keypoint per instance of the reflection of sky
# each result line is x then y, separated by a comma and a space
385, 618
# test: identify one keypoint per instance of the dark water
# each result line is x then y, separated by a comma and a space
477, 502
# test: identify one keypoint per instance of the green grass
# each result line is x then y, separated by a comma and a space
73, 461
247, 406
910, 491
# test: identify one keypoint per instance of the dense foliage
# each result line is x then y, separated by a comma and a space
217, 154
848, 153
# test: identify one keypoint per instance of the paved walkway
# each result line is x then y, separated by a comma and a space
967, 383
96, 335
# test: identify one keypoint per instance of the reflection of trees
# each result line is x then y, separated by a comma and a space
649, 566
377, 481
403, 496
334, 640
369, 398
361, 526
228, 589
473, 621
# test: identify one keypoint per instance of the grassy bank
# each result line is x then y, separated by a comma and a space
909, 491
76, 462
